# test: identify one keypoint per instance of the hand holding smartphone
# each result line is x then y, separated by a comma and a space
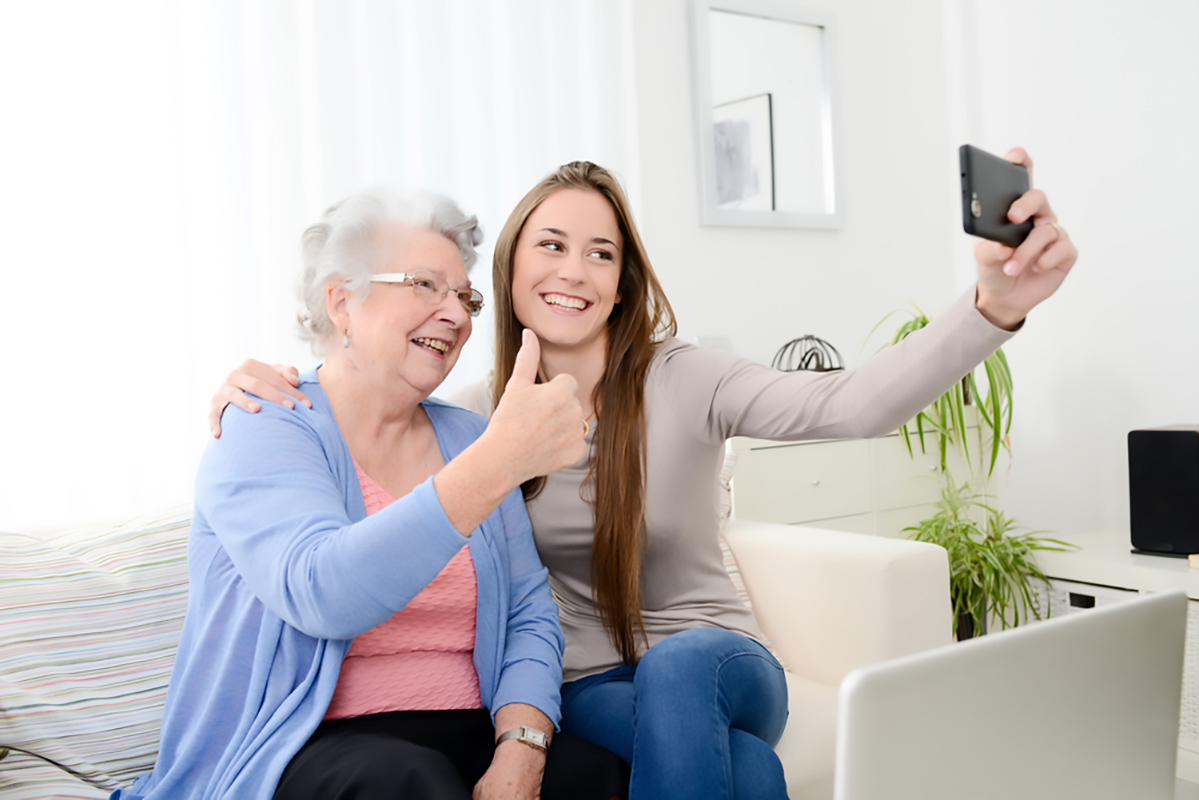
990, 185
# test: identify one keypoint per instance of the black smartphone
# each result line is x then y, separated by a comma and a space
990, 185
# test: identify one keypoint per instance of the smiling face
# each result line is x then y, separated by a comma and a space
566, 270
400, 336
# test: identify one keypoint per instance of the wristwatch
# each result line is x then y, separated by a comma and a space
530, 736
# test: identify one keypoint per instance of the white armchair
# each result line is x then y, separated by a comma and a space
831, 602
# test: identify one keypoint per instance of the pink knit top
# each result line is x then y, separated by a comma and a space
422, 658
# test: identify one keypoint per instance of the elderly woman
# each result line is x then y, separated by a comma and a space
368, 615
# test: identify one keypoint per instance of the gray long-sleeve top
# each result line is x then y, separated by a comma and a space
695, 400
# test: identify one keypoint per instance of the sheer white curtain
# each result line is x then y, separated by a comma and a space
160, 159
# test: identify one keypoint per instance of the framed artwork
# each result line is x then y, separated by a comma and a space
744, 141
766, 114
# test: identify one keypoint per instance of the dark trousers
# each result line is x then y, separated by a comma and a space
433, 755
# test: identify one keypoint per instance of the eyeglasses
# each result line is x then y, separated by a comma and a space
432, 288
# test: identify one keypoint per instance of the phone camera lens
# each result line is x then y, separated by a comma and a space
976, 208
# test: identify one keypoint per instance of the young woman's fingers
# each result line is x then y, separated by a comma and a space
1061, 255
224, 396
1041, 238
1018, 155
992, 255
1032, 204
292, 376
289, 373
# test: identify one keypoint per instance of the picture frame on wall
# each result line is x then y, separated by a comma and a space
743, 132
765, 101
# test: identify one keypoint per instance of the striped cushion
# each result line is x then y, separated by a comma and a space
89, 624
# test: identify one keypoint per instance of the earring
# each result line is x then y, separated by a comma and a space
345, 340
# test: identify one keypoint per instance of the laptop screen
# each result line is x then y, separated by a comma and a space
1082, 706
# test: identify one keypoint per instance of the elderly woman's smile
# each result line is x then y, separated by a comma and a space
439, 346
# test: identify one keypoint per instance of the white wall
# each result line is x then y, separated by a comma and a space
762, 287
1106, 97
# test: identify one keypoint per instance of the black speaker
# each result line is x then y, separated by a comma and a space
1163, 486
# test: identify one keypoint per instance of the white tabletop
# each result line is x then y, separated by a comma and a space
1106, 558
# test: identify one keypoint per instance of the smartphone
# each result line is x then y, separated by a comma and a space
990, 185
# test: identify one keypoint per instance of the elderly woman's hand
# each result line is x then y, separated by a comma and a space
541, 425
536, 429
515, 774
272, 383
1011, 282
516, 768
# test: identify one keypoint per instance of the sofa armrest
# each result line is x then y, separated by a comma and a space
831, 601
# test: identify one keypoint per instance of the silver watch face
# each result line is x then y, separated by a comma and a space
526, 735
533, 736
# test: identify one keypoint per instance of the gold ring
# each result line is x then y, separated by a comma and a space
586, 429
1061, 232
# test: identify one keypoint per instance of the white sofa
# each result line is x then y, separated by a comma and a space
89, 619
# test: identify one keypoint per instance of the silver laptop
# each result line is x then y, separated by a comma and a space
1081, 706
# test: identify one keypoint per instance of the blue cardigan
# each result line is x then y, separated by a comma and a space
285, 568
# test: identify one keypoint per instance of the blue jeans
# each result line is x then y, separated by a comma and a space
697, 717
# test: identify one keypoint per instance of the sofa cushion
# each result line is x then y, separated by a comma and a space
89, 624
808, 746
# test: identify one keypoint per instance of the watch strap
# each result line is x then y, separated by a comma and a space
530, 736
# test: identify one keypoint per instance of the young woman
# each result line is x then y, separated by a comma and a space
663, 664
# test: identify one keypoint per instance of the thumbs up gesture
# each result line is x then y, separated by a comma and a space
538, 426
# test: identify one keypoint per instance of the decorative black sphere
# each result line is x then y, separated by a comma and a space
808, 352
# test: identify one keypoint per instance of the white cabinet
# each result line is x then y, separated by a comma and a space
794, 483
863, 486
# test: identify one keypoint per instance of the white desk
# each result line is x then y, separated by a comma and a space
1105, 558
1105, 570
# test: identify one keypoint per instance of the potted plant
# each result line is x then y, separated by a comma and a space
992, 570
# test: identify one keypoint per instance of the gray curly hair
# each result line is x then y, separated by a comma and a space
340, 246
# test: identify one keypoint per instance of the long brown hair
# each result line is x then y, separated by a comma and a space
636, 326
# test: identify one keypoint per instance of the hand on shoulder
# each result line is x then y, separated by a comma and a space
274, 383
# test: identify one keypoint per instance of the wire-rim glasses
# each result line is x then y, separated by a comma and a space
432, 288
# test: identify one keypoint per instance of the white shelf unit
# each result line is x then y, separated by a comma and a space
861, 486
